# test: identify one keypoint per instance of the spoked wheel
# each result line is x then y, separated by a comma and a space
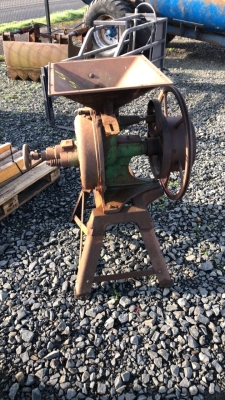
182, 133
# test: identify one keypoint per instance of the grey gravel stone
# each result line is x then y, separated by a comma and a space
42, 373
3, 248
206, 266
194, 331
21, 314
192, 342
175, 370
217, 366
36, 394
70, 394
185, 383
164, 354
203, 358
130, 396
101, 388
193, 390
125, 376
188, 372
118, 382
134, 340
123, 318
30, 380
109, 323
202, 319
32, 266
3, 295
24, 356
212, 388
13, 391
125, 301
92, 312
20, 377
52, 355
90, 353
27, 336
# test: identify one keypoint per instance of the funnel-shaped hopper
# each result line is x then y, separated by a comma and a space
96, 81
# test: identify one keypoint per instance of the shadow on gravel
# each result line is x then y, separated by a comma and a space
19, 127
195, 51
216, 396
26, 387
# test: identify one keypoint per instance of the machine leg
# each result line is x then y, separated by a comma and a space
88, 264
156, 257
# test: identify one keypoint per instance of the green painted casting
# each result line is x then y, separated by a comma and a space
117, 160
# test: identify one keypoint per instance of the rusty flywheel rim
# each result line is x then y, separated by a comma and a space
189, 144
88, 128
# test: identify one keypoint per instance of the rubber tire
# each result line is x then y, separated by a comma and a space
113, 8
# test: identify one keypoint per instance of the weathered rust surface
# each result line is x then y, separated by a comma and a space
219, 3
61, 155
94, 82
90, 150
104, 155
24, 59
182, 4
96, 226
207, 16
183, 145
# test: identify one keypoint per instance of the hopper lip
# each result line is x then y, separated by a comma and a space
163, 79
108, 89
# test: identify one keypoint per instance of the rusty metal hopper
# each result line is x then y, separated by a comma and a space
96, 81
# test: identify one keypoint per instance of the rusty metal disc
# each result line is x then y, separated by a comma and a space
26, 156
88, 129
160, 164
154, 109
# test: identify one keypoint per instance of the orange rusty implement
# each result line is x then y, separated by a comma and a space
24, 59
95, 81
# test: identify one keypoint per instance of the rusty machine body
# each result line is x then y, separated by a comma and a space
103, 152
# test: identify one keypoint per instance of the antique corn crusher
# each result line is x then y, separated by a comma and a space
103, 152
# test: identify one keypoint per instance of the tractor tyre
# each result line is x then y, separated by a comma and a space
106, 10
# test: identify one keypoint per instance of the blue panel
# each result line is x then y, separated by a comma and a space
211, 14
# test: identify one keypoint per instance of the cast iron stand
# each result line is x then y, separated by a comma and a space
94, 230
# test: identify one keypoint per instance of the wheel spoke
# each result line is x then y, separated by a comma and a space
181, 120
181, 173
165, 103
165, 181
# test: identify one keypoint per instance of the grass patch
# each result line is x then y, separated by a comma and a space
60, 17
116, 295
2, 58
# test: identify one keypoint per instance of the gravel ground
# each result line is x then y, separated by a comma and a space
131, 339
